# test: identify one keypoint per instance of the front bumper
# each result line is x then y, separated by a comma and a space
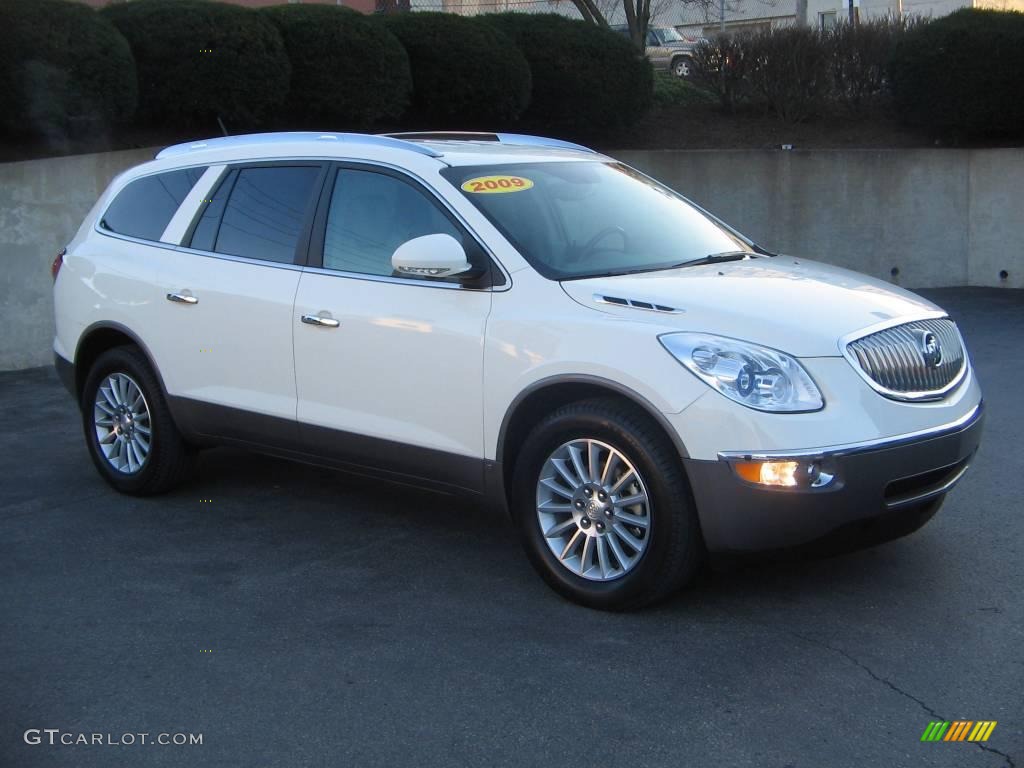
880, 491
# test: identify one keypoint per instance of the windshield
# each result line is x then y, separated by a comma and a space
583, 219
669, 35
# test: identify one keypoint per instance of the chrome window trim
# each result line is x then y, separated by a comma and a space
867, 445
319, 270
240, 259
208, 254
907, 397
395, 280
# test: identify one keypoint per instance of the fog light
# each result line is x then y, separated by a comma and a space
779, 473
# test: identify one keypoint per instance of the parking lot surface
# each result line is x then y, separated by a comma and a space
298, 617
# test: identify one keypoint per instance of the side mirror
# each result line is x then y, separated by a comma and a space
432, 256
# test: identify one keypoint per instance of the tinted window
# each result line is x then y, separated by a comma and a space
205, 234
371, 214
145, 207
264, 213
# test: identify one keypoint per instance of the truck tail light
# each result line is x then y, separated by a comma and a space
57, 263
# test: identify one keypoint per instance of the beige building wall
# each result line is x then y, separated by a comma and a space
1001, 5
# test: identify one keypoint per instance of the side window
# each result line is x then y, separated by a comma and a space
370, 215
652, 38
264, 212
205, 233
145, 206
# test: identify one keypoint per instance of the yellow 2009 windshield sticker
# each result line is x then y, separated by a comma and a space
491, 185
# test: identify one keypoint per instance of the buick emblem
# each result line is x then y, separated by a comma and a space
930, 347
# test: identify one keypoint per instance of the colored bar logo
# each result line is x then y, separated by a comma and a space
959, 730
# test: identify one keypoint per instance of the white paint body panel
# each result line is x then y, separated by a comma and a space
405, 363
799, 306
234, 347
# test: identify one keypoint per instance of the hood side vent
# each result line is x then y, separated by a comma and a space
635, 304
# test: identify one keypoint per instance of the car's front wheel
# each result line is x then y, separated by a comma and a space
131, 436
603, 507
682, 67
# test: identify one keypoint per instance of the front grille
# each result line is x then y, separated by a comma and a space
901, 362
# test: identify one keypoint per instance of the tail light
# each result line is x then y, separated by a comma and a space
58, 263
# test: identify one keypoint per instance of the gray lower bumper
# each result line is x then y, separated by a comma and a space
879, 492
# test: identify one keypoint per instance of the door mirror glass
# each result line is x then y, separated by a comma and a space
433, 256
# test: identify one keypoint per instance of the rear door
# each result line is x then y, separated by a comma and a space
224, 339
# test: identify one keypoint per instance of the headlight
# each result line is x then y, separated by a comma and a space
752, 375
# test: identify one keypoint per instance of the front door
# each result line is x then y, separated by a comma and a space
389, 369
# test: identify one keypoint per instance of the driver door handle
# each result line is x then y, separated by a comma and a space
323, 322
182, 298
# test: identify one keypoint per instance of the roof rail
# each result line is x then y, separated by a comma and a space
256, 139
504, 138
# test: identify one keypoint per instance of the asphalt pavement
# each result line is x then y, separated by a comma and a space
297, 617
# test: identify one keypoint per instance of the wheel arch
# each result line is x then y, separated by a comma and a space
676, 57
550, 393
100, 337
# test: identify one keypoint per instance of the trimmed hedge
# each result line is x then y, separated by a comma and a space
859, 57
465, 73
586, 79
346, 70
63, 69
962, 76
199, 60
787, 69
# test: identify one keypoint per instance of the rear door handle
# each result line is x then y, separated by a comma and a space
323, 322
182, 298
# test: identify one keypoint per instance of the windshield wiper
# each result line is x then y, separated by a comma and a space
713, 258
716, 258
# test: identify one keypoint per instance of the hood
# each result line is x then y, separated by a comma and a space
794, 305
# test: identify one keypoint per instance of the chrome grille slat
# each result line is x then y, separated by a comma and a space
893, 361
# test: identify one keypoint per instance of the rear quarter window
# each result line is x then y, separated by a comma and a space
145, 207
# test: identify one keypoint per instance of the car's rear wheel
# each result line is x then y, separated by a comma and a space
128, 427
603, 507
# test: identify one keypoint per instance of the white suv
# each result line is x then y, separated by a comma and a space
516, 318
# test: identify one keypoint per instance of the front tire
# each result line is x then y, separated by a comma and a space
603, 507
682, 67
131, 436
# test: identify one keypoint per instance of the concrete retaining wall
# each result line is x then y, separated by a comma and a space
941, 217
42, 204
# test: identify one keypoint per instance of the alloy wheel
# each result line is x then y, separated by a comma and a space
593, 509
122, 422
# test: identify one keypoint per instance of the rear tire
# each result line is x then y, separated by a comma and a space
131, 436
603, 469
